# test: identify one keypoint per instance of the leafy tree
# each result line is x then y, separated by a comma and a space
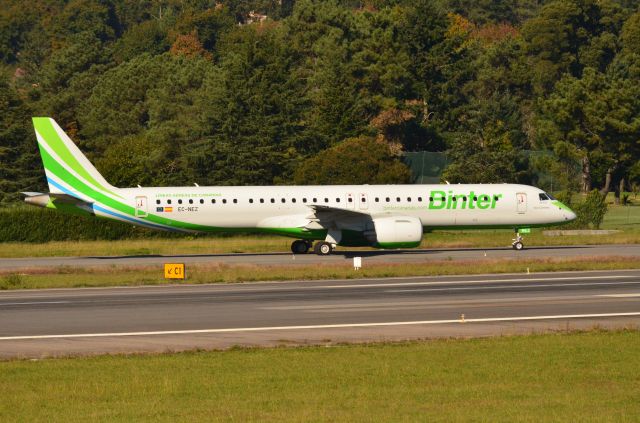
362, 160
147, 37
486, 158
19, 161
597, 119
68, 76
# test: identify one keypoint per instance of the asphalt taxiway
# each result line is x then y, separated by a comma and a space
54, 322
370, 256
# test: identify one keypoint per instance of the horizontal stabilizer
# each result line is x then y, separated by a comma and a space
43, 199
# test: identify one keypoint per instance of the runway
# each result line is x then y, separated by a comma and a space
98, 320
370, 256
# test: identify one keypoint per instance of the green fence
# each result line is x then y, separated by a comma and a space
426, 166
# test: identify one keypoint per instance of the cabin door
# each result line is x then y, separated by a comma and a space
521, 198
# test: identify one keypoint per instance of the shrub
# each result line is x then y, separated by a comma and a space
591, 211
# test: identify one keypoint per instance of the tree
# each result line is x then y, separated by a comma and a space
19, 161
569, 35
362, 160
597, 119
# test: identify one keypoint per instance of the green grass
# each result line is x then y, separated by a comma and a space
588, 376
68, 277
622, 217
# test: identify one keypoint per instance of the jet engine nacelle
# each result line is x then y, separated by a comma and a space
397, 232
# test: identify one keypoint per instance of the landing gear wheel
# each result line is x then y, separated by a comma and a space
323, 248
299, 247
517, 243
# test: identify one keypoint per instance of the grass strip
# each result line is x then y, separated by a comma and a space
71, 277
262, 244
580, 376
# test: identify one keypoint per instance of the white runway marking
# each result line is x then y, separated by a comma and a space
478, 281
334, 326
35, 302
512, 286
620, 295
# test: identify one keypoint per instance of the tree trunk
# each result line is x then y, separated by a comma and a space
619, 191
607, 182
586, 175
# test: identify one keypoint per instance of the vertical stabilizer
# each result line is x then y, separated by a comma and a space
68, 170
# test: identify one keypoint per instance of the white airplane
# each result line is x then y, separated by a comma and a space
380, 216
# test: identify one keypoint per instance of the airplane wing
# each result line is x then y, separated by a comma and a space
334, 213
319, 217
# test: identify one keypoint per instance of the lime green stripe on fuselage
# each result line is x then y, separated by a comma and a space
59, 171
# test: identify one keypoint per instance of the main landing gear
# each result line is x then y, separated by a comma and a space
300, 246
322, 248
517, 243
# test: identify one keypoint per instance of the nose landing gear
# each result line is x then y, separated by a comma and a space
517, 243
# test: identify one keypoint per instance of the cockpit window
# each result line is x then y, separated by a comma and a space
551, 197
543, 197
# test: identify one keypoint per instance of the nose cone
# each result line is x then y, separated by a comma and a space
567, 214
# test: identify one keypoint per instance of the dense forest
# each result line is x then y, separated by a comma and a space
176, 92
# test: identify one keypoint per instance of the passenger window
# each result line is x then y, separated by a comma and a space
350, 200
261, 200
179, 201
293, 200
250, 200
315, 200
168, 201
408, 199
326, 200
273, 200
388, 199
224, 201
201, 201
304, 200
213, 201
419, 199
496, 197
431, 199
363, 199
190, 201
377, 200
283, 200
235, 201
338, 200
157, 201
398, 199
